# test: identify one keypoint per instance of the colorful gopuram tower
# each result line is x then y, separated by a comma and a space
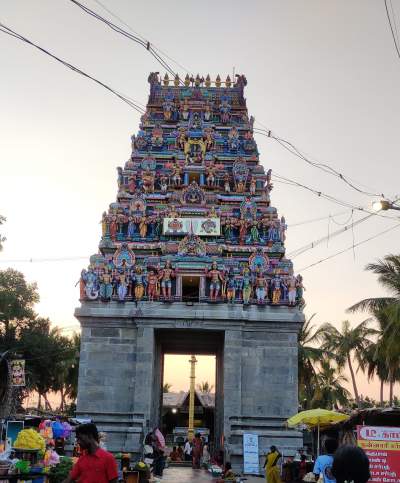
192, 260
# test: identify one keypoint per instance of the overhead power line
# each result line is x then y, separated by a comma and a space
315, 243
144, 43
12, 33
395, 38
350, 248
117, 17
322, 166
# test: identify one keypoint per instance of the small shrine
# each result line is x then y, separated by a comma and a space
193, 219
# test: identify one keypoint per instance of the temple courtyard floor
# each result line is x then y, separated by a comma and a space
187, 475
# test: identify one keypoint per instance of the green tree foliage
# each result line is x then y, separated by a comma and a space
167, 387
349, 345
205, 387
330, 393
52, 359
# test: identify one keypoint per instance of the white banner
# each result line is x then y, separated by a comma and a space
197, 226
250, 454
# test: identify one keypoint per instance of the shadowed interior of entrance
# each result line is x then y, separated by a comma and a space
199, 342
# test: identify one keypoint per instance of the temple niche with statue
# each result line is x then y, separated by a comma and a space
192, 260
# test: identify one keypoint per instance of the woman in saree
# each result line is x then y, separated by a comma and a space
271, 466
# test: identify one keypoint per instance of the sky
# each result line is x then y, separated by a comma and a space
323, 75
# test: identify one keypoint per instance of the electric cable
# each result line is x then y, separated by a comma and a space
322, 166
144, 43
117, 17
349, 248
299, 251
391, 29
12, 33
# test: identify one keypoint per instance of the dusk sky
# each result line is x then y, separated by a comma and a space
323, 75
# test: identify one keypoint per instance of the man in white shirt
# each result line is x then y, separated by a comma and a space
188, 451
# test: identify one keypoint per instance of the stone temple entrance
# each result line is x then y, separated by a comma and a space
121, 369
199, 342
192, 260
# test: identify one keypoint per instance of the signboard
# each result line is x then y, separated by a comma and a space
250, 454
13, 429
382, 445
17, 367
197, 226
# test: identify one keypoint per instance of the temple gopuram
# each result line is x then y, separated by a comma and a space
193, 219
192, 260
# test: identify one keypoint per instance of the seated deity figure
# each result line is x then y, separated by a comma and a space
176, 175
261, 287
231, 287
164, 184
216, 278
148, 181
233, 139
91, 283
165, 275
157, 136
106, 288
152, 283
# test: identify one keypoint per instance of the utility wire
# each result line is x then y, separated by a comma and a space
114, 15
146, 44
391, 29
322, 166
350, 248
315, 243
12, 33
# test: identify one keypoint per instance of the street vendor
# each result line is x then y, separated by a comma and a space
96, 465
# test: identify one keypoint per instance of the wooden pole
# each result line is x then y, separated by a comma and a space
192, 361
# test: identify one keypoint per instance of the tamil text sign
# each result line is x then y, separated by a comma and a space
250, 454
382, 445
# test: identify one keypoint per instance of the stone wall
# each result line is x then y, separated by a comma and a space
120, 371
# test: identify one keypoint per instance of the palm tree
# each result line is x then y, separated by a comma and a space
205, 387
375, 364
347, 345
330, 392
166, 387
308, 357
388, 271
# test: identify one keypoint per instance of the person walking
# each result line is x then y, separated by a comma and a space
95, 465
271, 466
188, 451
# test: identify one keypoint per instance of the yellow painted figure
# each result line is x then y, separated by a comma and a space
139, 284
271, 466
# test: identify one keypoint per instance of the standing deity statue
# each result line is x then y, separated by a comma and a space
113, 227
211, 174
91, 284
240, 186
261, 285
82, 285
164, 184
104, 225
229, 224
216, 278
227, 186
225, 109
152, 284
276, 285
282, 229
131, 228
207, 112
253, 185
246, 285
132, 184
122, 286
242, 224
185, 110
139, 283
208, 140
292, 290
299, 289
106, 288
143, 227
231, 286
120, 179
181, 139
233, 139
165, 275
255, 235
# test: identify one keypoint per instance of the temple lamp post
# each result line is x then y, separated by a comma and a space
383, 205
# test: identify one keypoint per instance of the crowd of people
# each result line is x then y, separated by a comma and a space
345, 464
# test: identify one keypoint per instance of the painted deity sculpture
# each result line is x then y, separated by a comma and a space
276, 286
215, 284
231, 286
106, 288
165, 275
152, 284
211, 174
139, 283
292, 290
261, 285
123, 282
227, 185
176, 175
246, 285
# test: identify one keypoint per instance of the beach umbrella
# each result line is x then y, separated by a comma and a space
315, 418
